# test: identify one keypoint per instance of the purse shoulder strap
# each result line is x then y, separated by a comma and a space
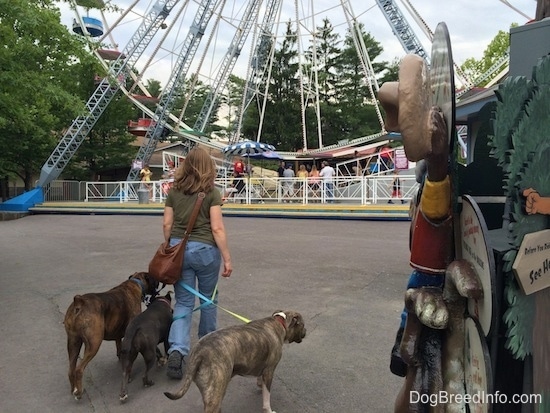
194, 215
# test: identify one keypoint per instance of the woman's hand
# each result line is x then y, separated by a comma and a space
227, 269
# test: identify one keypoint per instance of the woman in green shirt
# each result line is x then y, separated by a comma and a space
205, 250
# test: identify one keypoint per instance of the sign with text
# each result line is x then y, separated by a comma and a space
401, 161
477, 366
474, 249
532, 264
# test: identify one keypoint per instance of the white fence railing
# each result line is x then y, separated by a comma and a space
342, 189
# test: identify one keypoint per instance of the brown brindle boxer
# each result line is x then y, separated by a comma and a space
252, 349
94, 317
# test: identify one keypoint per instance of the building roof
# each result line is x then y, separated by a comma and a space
471, 103
348, 152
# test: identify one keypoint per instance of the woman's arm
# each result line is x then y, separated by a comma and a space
167, 222
218, 230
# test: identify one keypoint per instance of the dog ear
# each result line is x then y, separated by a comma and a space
296, 320
151, 281
276, 311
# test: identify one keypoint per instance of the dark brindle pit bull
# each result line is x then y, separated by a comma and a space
252, 349
143, 335
94, 317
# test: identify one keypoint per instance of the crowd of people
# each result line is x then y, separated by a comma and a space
309, 179
315, 180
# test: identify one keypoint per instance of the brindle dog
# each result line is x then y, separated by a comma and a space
252, 349
94, 317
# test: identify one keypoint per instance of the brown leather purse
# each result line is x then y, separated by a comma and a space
166, 265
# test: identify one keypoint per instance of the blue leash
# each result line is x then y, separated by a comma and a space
208, 301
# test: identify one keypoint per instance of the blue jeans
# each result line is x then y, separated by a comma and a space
329, 191
201, 266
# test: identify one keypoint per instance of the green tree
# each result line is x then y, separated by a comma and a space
197, 93
108, 147
355, 104
494, 52
327, 58
346, 109
391, 72
233, 103
281, 126
154, 87
39, 62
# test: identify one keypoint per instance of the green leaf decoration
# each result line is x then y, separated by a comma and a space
522, 148
541, 72
512, 96
519, 319
536, 173
531, 132
509, 259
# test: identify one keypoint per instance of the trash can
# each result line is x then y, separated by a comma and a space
143, 196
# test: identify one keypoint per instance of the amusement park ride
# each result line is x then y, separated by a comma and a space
249, 27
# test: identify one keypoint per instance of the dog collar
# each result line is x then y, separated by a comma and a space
281, 318
140, 283
164, 300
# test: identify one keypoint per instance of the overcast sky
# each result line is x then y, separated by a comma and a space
472, 24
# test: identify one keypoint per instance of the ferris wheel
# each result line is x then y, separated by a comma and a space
206, 41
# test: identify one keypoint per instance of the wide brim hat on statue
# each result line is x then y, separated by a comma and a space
407, 104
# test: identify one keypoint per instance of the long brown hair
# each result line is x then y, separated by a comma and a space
196, 173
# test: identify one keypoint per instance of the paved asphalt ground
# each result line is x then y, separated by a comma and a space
347, 278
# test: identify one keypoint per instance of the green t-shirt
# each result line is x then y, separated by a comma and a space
183, 207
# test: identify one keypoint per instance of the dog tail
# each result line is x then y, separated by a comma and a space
190, 373
78, 302
129, 335
184, 387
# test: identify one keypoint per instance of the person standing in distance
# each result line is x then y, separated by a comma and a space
327, 174
281, 169
146, 176
206, 248
238, 168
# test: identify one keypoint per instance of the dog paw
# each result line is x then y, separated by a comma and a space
147, 382
123, 398
162, 361
77, 394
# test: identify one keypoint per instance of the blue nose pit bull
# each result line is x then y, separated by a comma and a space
252, 349
143, 335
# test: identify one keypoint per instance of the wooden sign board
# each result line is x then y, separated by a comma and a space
532, 264
474, 249
477, 367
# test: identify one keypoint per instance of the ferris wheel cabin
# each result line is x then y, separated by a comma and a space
93, 26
